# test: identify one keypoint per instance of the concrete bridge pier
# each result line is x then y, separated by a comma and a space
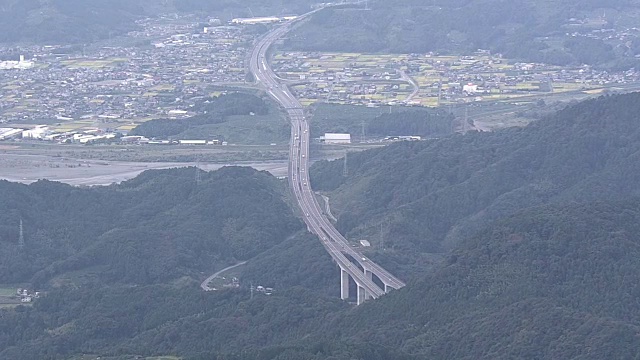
369, 276
344, 284
362, 294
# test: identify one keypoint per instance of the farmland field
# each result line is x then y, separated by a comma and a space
353, 78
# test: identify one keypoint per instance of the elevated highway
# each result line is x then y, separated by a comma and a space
363, 270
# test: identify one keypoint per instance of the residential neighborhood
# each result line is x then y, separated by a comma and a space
100, 93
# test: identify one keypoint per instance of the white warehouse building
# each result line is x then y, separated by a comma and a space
36, 133
334, 138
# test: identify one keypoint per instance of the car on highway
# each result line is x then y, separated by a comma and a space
308, 214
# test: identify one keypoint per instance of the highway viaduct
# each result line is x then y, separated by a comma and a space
363, 270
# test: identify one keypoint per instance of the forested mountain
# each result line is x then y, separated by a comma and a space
78, 21
154, 228
122, 321
539, 229
555, 282
525, 30
428, 195
66, 21
547, 283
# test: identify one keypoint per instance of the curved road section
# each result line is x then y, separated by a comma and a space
335, 244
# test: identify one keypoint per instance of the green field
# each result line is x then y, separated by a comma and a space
431, 69
92, 64
7, 291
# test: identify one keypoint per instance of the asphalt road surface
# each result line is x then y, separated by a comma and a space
335, 244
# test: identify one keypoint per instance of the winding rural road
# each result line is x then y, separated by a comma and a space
205, 283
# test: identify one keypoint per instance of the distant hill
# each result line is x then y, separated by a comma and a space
66, 21
426, 196
77, 21
159, 226
519, 29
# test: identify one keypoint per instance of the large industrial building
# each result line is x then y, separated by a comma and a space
333, 138
261, 20
22, 64
38, 132
9, 133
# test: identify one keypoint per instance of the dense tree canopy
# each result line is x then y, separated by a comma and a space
554, 276
153, 228
214, 110
430, 194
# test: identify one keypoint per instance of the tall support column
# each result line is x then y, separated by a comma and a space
387, 288
344, 284
369, 276
362, 293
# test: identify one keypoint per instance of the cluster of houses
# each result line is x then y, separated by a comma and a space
361, 80
27, 296
264, 290
123, 84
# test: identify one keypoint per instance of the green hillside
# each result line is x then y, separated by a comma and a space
538, 229
154, 228
66, 21
177, 317
519, 29
526, 30
239, 118
76, 21
547, 283
428, 195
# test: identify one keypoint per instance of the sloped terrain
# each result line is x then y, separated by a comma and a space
430, 194
156, 227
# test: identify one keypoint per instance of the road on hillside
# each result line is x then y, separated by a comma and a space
205, 283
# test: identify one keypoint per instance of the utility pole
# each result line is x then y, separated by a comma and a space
381, 238
345, 169
363, 135
251, 290
198, 175
21, 238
